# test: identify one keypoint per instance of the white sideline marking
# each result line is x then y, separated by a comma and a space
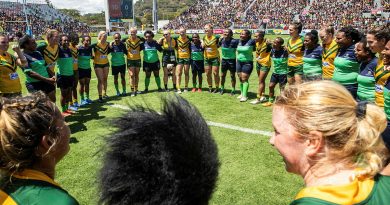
216, 124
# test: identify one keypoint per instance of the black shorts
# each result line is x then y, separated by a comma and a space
167, 60
197, 66
119, 69
279, 78
84, 73
65, 82
107, 65
40, 86
228, 64
244, 67
149, 67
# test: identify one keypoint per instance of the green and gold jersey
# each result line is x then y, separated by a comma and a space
295, 51
9, 78
34, 187
50, 54
361, 191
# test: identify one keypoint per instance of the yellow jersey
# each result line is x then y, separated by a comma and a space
134, 49
50, 54
381, 77
295, 52
329, 53
263, 53
9, 78
75, 54
183, 47
101, 52
210, 47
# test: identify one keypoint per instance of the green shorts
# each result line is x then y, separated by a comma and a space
183, 61
259, 67
107, 65
294, 70
134, 63
211, 62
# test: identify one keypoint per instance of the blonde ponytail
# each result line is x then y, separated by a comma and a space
352, 135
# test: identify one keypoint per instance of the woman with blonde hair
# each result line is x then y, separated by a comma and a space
34, 138
211, 57
333, 143
329, 52
101, 49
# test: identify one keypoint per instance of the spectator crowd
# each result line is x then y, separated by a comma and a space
254, 14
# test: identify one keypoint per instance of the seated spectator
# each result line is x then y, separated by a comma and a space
34, 138
160, 158
333, 143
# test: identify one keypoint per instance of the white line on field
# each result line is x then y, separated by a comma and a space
216, 124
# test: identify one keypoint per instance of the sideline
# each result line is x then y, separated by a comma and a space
216, 124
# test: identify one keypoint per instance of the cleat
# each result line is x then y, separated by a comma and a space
83, 103
199, 90
240, 96
89, 101
193, 90
73, 108
221, 91
256, 101
267, 104
263, 99
243, 99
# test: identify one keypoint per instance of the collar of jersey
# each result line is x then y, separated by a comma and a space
35, 175
352, 193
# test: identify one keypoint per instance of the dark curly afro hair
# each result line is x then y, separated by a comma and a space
160, 158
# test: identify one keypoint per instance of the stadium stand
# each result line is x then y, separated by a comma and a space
278, 14
40, 15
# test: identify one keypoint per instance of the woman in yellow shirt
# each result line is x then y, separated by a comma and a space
9, 79
211, 57
329, 52
295, 50
100, 51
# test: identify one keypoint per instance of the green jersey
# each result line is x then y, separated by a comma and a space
245, 50
65, 62
36, 63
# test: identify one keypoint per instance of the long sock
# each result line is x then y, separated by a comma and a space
124, 89
241, 87
117, 88
147, 82
158, 81
82, 96
194, 85
174, 86
64, 108
272, 99
222, 87
87, 94
166, 86
245, 89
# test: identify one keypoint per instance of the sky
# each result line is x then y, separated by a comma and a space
84, 6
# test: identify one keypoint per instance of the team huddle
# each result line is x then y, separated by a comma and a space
346, 57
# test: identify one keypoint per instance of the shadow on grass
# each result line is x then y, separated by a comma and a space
85, 114
73, 140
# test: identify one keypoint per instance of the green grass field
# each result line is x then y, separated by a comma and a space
251, 172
